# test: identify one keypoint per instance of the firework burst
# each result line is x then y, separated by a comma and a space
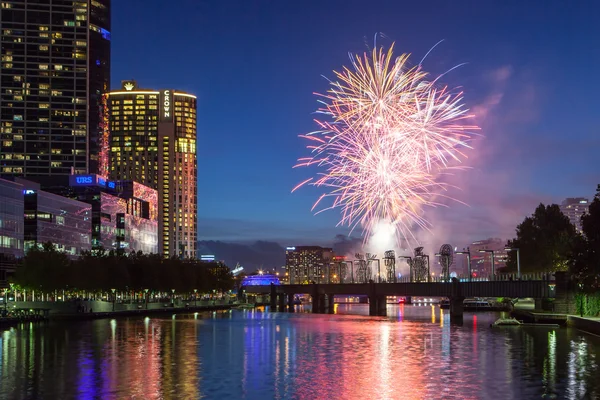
388, 134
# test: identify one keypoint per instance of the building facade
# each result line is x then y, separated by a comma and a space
55, 58
11, 228
304, 264
124, 213
574, 208
153, 141
481, 256
64, 222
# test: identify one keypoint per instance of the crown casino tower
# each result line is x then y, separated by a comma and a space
153, 141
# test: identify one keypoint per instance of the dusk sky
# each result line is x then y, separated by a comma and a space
531, 79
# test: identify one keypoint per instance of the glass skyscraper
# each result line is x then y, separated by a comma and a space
153, 142
55, 59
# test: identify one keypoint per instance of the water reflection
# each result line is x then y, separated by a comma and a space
416, 353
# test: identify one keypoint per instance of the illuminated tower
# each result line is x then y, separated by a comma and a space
55, 67
153, 141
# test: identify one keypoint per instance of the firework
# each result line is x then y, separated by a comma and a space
388, 134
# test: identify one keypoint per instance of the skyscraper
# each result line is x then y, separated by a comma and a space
55, 57
153, 141
574, 208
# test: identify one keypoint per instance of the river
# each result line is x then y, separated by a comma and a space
414, 353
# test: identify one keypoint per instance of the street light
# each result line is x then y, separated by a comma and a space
409, 262
173, 297
468, 254
146, 291
493, 267
113, 292
195, 297
518, 259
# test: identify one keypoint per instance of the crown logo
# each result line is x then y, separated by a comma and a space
129, 86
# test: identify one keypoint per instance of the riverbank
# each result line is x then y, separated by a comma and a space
13, 321
586, 324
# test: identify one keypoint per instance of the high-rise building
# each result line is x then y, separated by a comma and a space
481, 256
153, 141
574, 208
55, 58
306, 263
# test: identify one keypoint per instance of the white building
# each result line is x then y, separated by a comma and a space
574, 208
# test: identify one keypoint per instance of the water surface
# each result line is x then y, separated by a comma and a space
415, 353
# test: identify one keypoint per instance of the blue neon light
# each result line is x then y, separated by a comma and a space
258, 280
105, 34
111, 185
28, 191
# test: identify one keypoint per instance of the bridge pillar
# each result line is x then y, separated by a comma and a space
273, 299
281, 301
318, 300
330, 304
538, 304
456, 308
377, 305
290, 303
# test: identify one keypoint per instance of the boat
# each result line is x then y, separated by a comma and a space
506, 322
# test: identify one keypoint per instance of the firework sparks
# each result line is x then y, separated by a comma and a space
388, 135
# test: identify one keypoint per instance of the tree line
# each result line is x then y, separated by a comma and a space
46, 269
548, 242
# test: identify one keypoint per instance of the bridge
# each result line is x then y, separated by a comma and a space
282, 296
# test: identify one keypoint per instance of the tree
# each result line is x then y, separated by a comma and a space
44, 269
585, 267
546, 240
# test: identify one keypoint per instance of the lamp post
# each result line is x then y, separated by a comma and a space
468, 254
518, 259
146, 297
195, 297
113, 296
378, 270
173, 297
493, 267
409, 262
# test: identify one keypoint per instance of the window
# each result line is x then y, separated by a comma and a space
43, 66
43, 47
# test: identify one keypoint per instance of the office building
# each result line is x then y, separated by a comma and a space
481, 256
50, 218
153, 142
305, 264
55, 68
124, 213
574, 208
11, 228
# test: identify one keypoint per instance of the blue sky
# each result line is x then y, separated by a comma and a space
531, 78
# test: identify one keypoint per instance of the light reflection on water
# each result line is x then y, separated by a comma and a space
415, 353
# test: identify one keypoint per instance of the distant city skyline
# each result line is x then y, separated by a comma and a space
254, 70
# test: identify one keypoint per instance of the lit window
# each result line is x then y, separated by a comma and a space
43, 66
43, 47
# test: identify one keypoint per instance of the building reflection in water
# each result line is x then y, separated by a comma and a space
253, 354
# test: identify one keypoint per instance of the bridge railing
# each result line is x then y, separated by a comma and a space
462, 278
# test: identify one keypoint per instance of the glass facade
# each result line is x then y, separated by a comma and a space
11, 219
55, 59
64, 222
153, 141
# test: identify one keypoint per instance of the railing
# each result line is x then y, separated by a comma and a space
438, 279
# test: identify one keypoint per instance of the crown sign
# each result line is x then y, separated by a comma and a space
129, 86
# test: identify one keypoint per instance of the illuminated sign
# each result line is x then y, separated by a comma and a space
166, 100
112, 185
290, 248
128, 86
207, 257
28, 191
84, 180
